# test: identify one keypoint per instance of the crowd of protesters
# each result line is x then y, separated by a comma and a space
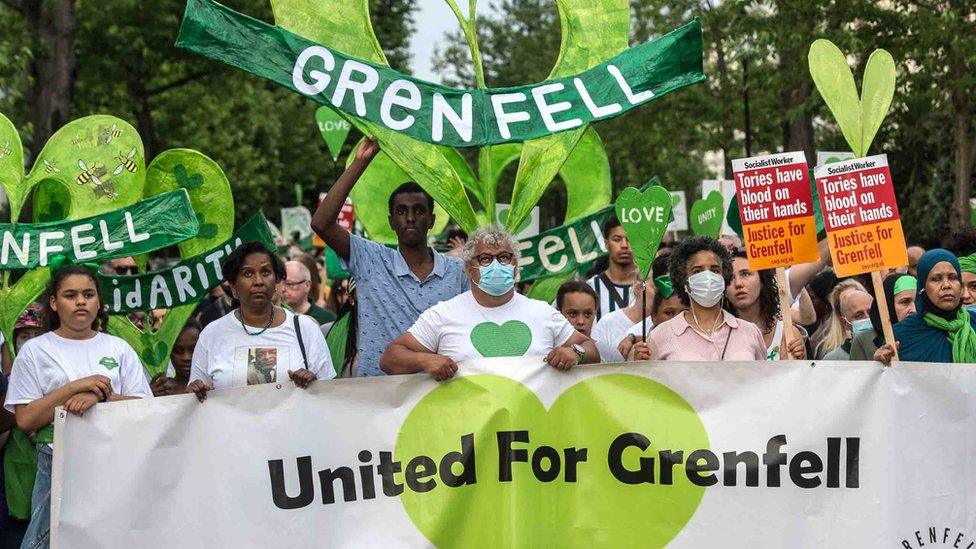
412, 309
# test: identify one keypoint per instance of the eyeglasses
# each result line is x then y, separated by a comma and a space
295, 284
505, 258
127, 270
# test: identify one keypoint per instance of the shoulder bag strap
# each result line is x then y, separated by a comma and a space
301, 344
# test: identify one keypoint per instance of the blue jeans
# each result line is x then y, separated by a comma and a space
38, 533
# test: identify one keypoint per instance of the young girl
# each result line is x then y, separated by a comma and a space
72, 365
177, 375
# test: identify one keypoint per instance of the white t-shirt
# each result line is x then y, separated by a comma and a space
609, 332
225, 356
48, 362
461, 329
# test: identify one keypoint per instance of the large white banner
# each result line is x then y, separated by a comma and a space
514, 453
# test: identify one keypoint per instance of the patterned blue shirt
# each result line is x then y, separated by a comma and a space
391, 296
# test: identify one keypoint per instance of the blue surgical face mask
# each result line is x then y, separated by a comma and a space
496, 279
862, 325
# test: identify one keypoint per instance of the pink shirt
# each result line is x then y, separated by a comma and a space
677, 340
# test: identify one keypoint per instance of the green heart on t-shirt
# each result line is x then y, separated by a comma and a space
512, 338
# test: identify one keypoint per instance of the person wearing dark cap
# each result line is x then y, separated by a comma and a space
942, 330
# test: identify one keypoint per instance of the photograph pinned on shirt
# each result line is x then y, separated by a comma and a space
262, 365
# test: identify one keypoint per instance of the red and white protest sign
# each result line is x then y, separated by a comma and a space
864, 230
776, 208
346, 219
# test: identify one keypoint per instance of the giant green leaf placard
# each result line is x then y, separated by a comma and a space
592, 33
345, 25
859, 117
213, 202
90, 166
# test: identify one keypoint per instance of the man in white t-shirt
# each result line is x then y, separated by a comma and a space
490, 320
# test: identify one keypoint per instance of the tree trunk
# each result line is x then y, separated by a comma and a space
52, 67
798, 130
959, 214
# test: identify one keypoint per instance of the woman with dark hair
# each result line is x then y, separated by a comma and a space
899, 293
73, 365
258, 342
754, 296
941, 330
701, 269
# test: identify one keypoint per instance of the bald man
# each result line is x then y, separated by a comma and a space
295, 289
914, 253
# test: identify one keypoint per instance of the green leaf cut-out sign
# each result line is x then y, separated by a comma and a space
859, 117
592, 34
94, 166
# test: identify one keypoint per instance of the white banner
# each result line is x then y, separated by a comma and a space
514, 453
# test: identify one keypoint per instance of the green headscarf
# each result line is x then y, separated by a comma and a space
968, 263
960, 333
959, 330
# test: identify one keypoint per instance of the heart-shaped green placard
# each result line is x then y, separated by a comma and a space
644, 217
334, 129
705, 218
213, 202
90, 166
859, 117
539, 505
512, 338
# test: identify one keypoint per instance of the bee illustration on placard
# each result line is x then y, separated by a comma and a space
106, 189
106, 135
82, 138
126, 163
90, 174
5, 150
50, 168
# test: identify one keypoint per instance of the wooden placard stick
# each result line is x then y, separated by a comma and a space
879, 298
784, 311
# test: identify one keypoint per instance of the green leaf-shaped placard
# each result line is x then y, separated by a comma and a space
90, 166
592, 32
345, 25
859, 118
371, 196
212, 199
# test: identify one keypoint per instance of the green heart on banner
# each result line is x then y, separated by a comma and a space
644, 217
706, 215
212, 200
531, 511
859, 117
512, 338
334, 129
88, 167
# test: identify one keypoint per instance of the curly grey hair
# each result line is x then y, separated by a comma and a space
493, 236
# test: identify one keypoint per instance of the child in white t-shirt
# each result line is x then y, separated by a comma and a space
72, 365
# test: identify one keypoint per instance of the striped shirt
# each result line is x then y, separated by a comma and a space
609, 297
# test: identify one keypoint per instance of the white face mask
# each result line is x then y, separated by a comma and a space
706, 288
